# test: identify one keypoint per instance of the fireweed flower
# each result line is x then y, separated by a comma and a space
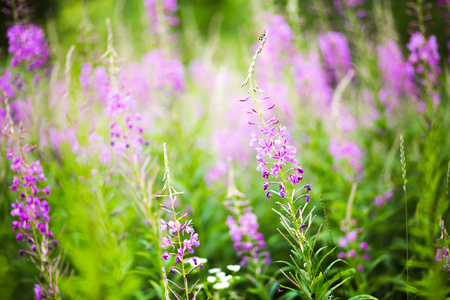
103, 84
442, 253
6, 85
156, 76
125, 129
353, 250
27, 43
424, 57
336, 54
167, 74
180, 238
443, 257
248, 242
276, 158
28, 47
348, 151
381, 199
397, 75
161, 11
311, 81
32, 212
85, 77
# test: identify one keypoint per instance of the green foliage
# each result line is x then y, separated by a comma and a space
112, 251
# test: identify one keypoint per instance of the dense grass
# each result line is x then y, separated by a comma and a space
370, 140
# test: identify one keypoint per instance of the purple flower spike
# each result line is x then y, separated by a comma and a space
182, 236
336, 54
32, 210
169, 7
249, 242
425, 57
28, 44
275, 154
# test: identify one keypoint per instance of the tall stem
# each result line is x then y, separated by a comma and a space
171, 196
291, 204
403, 162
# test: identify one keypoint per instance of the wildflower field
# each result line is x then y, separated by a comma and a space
224, 149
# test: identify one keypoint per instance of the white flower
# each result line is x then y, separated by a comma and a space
234, 268
215, 270
211, 279
221, 285
220, 274
226, 278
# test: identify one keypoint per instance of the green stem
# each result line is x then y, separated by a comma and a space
403, 162
171, 197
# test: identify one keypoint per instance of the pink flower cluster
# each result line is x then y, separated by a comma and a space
425, 57
248, 242
311, 82
28, 44
443, 257
6, 86
125, 131
336, 54
274, 152
32, 211
174, 243
167, 8
397, 75
347, 150
163, 73
125, 126
380, 200
355, 251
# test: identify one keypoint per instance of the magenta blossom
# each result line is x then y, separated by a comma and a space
348, 151
6, 85
248, 242
161, 11
336, 54
397, 75
424, 57
31, 210
355, 252
28, 44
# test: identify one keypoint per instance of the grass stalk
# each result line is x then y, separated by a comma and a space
403, 162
